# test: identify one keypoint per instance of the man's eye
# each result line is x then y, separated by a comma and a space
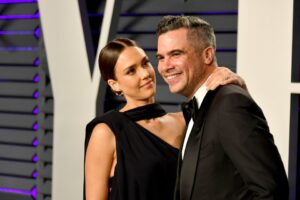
176, 54
159, 58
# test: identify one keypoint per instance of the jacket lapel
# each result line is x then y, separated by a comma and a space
192, 151
177, 183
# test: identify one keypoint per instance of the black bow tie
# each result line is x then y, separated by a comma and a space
189, 109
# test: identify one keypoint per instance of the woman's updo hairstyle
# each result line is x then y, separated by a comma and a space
109, 56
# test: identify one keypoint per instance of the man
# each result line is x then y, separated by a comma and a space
228, 151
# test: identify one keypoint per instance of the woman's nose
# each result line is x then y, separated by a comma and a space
145, 73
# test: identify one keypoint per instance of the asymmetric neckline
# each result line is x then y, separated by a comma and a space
148, 111
146, 165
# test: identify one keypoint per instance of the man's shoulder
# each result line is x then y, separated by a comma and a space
231, 90
230, 95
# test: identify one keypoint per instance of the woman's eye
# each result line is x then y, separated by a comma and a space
130, 71
146, 63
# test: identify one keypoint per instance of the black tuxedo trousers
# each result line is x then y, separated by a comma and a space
230, 153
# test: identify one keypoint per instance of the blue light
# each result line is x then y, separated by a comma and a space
16, 191
17, 32
35, 159
36, 94
19, 48
37, 32
35, 111
8, 17
36, 62
17, 1
35, 142
36, 78
35, 126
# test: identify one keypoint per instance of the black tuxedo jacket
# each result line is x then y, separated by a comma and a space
230, 154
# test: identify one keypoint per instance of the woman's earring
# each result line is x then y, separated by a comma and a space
118, 93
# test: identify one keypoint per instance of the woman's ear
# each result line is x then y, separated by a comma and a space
114, 85
209, 55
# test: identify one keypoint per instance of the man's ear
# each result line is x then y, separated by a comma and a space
114, 85
209, 55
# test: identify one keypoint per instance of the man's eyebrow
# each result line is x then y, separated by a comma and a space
172, 51
176, 50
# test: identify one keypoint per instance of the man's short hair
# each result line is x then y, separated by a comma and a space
198, 29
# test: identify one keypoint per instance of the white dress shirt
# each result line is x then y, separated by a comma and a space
199, 95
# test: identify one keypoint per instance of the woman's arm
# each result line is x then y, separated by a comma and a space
99, 162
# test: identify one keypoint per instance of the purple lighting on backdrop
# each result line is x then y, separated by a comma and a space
36, 62
34, 192
34, 174
16, 191
19, 48
16, 32
36, 15
35, 142
37, 32
35, 126
34, 158
17, 1
36, 94
8, 17
35, 111
36, 78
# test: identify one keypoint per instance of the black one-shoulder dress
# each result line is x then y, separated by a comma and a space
146, 164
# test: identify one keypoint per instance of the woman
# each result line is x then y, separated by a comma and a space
132, 153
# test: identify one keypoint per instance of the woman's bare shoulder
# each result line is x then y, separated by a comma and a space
102, 136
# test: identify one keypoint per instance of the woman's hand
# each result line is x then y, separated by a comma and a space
224, 76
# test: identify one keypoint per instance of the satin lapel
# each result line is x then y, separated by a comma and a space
191, 155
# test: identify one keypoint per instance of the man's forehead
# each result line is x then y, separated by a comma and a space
171, 42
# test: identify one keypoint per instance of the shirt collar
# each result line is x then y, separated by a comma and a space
200, 94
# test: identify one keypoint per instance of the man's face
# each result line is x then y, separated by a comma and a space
179, 63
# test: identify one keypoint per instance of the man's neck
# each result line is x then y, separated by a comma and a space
208, 71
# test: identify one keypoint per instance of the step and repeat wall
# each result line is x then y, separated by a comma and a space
26, 104
50, 85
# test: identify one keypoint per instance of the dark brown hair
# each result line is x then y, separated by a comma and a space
109, 55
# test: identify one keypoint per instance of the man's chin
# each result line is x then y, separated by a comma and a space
174, 90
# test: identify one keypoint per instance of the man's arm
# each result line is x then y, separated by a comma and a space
246, 139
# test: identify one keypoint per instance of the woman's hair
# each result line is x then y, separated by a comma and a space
109, 55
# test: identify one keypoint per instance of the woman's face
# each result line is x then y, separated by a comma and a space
135, 76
